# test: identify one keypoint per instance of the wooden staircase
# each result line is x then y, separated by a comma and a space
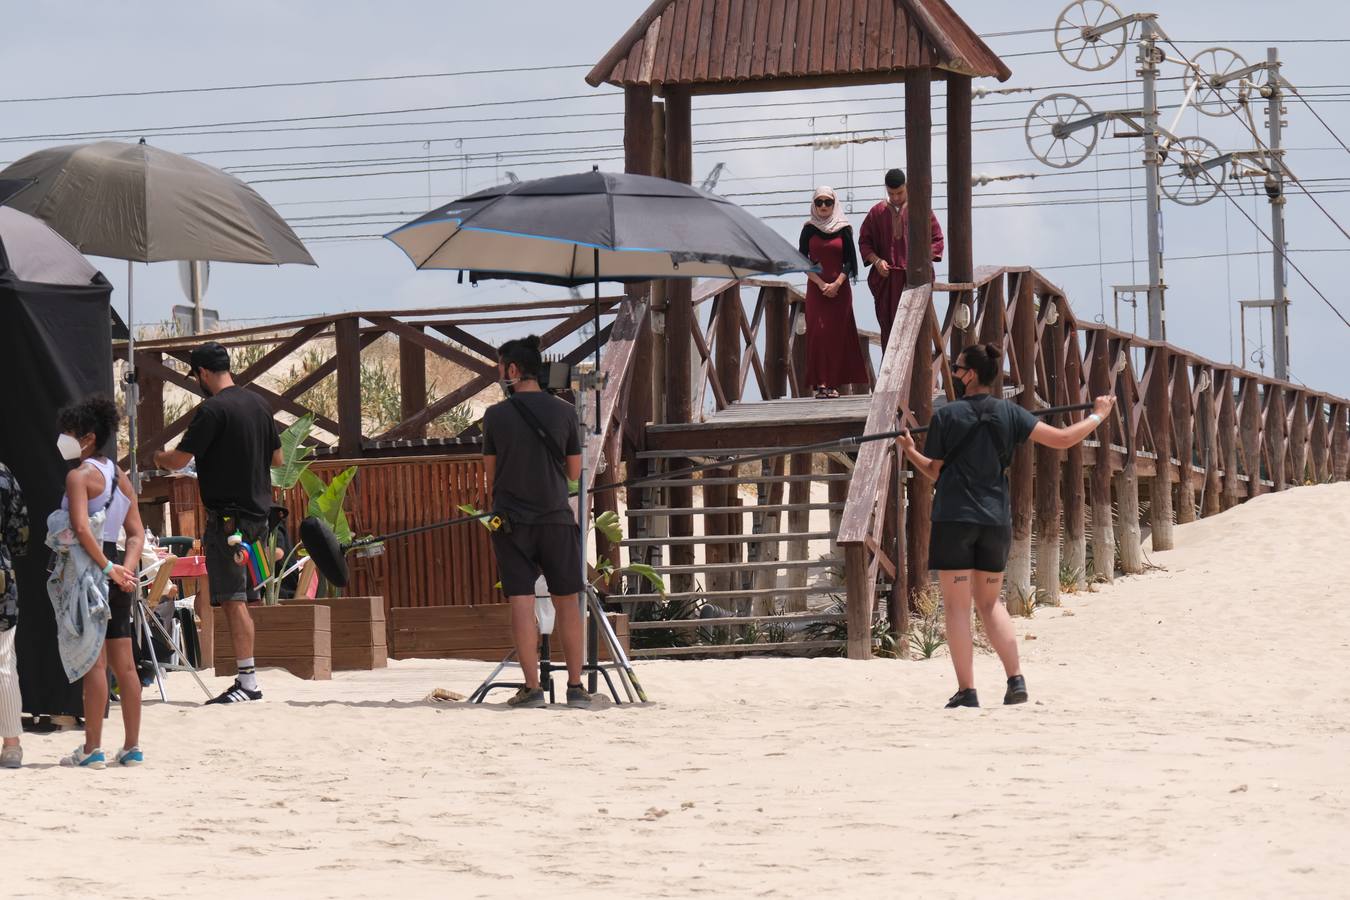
748, 551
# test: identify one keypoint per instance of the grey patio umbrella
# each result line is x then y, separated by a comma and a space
143, 204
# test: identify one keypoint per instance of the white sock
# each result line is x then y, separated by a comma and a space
248, 676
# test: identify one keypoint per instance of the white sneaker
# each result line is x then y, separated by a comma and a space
81, 760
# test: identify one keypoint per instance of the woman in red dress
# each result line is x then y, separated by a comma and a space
833, 355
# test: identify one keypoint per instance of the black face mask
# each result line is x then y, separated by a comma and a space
959, 386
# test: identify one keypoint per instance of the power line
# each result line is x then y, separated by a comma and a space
1319, 118
288, 84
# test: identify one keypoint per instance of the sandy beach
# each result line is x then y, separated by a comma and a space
1188, 737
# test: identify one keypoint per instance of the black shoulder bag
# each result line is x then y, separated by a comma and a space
985, 423
554, 451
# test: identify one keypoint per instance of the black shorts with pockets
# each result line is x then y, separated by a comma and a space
958, 546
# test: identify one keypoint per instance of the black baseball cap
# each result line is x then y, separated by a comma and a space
210, 356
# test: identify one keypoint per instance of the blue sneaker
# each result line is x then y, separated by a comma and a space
132, 757
81, 760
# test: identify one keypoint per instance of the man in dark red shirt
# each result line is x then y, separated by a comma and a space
884, 243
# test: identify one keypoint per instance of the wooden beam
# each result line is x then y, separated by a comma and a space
149, 406
919, 512
412, 380
960, 245
1183, 430
919, 177
679, 302
859, 604
349, 386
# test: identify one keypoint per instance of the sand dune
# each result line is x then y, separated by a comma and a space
1188, 736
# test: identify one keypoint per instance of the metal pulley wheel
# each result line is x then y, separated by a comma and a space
1052, 134
1213, 96
1185, 179
1091, 53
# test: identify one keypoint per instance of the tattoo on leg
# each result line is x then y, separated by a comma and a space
960, 578
992, 579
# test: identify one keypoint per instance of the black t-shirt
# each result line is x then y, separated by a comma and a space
233, 436
529, 486
973, 487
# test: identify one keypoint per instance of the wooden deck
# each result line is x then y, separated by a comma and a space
766, 424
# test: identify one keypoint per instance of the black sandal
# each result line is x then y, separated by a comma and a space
822, 393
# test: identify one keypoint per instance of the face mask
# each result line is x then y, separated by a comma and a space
68, 447
508, 386
960, 387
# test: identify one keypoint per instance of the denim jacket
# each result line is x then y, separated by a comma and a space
79, 595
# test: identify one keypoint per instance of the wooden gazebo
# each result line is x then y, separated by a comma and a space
679, 48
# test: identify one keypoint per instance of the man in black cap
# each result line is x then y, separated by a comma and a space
234, 439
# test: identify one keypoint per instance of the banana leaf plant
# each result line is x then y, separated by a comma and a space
325, 500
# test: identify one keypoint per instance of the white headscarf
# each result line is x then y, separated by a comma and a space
831, 221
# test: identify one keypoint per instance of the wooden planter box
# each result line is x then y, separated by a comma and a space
468, 632
296, 637
358, 630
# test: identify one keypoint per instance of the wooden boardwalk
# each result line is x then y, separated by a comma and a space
765, 424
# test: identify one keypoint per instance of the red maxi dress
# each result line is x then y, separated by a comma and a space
833, 355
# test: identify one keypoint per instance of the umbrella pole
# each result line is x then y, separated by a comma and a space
132, 385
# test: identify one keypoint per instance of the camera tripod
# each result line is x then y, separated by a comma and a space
597, 627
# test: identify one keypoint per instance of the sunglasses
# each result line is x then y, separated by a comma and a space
957, 368
825, 203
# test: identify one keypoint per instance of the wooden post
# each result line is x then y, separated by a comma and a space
1158, 408
679, 304
149, 406
726, 356
1183, 425
1228, 439
919, 511
799, 522
1047, 524
348, 339
1340, 441
1211, 502
412, 380
1075, 532
1103, 530
1297, 473
776, 325
1249, 428
1317, 441
639, 153
1021, 480
658, 296
1127, 482
960, 246
1274, 435
859, 611
919, 178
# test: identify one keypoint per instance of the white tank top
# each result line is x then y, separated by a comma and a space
114, 501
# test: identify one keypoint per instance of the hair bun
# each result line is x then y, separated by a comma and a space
993, 352
532, 341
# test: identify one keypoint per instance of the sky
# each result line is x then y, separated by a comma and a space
546, 121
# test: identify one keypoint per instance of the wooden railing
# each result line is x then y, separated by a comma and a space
1204, 435
343, 431
728, 348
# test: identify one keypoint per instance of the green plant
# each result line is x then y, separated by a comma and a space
243, 357
1069, 579
927, 630
884, 642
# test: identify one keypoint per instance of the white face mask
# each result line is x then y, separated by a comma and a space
68, 447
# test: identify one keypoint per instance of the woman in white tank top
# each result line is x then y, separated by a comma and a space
97, 485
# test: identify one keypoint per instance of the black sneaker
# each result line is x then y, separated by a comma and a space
236, 693
578, 697
1017, 691
964, 698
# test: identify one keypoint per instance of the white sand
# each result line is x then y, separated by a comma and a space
1188, 738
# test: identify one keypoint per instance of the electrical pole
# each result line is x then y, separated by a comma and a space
1279, 310
1149, 58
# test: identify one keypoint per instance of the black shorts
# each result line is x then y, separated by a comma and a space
228, 580
529, 550
963, 545
119, 602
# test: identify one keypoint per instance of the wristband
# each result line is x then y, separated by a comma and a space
107, 570
1096, 418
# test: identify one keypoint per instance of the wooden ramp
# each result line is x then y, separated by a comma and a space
765, 424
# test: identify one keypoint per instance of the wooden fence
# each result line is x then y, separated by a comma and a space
1203, 436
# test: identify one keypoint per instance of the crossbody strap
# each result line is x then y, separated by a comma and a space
554, 451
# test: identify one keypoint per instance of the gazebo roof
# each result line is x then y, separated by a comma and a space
717, 46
